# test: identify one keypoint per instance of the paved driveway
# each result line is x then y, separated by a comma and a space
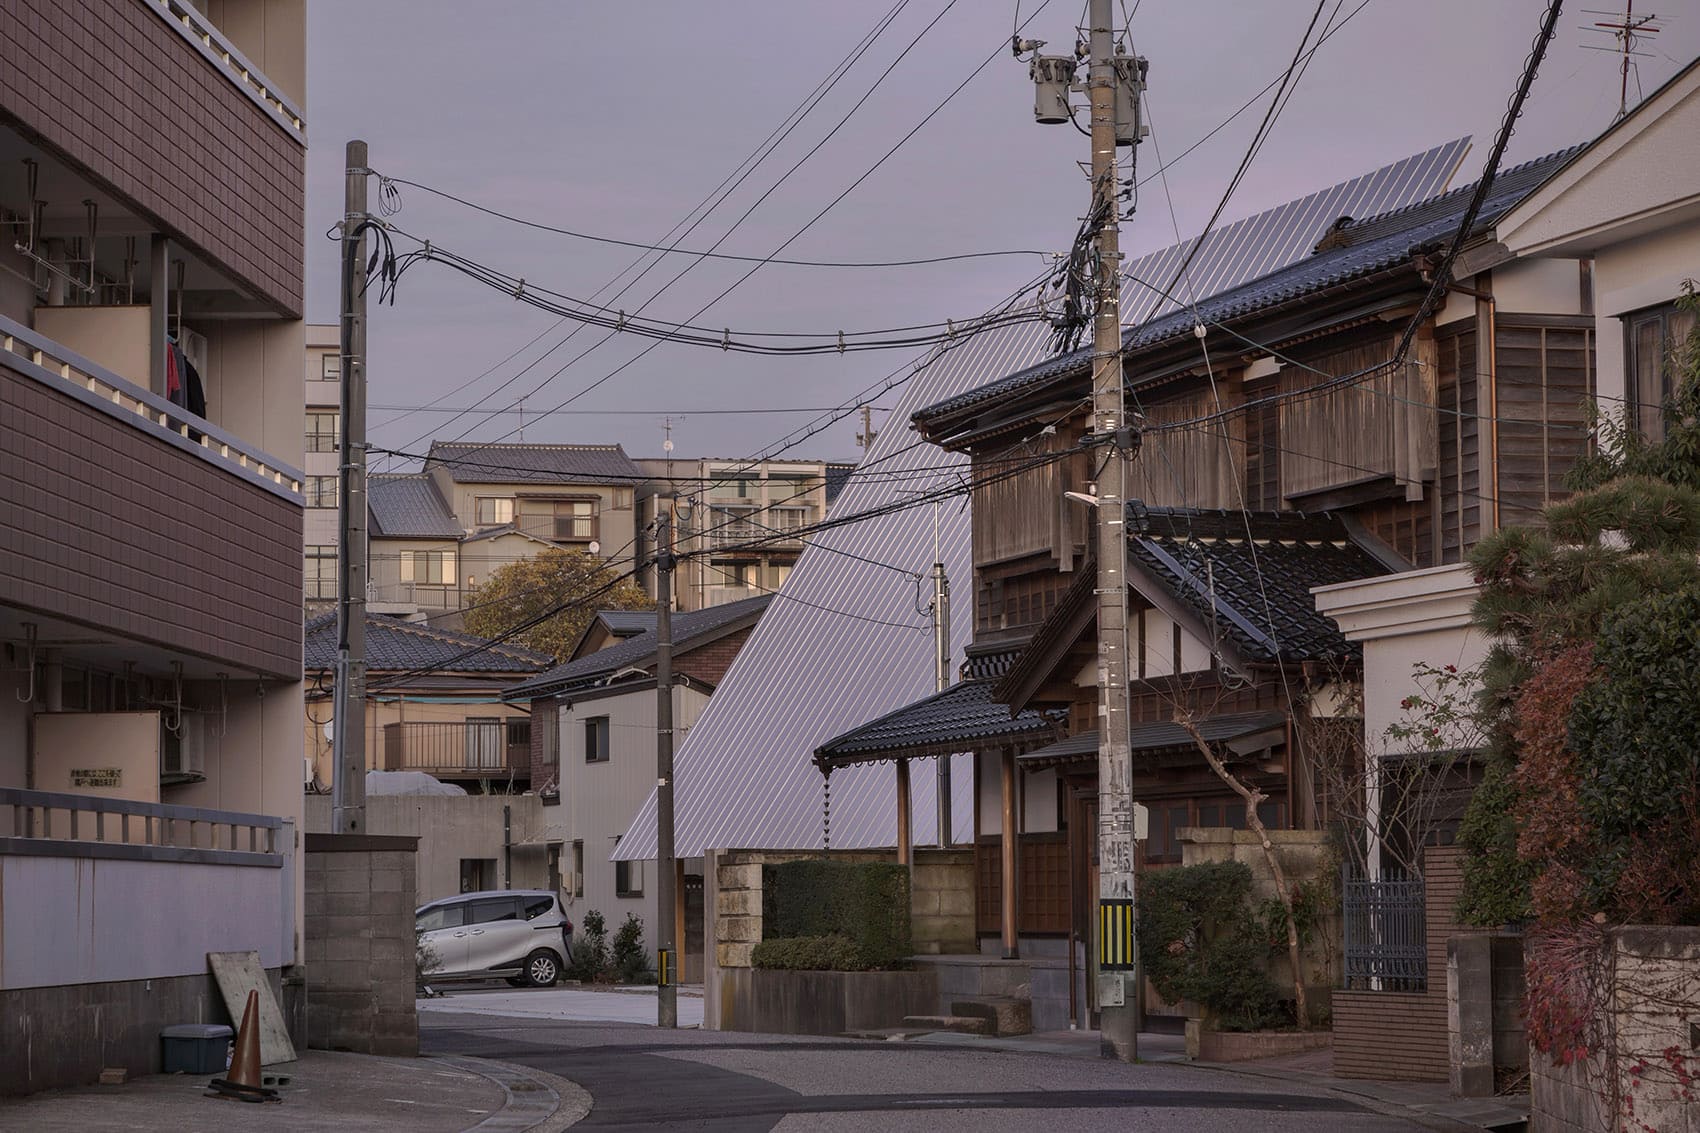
562, 1004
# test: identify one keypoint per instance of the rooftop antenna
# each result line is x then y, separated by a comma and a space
667, 447
1626, 28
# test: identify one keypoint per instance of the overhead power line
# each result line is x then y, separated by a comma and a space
703, 253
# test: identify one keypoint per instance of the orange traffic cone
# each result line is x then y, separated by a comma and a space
244, 1075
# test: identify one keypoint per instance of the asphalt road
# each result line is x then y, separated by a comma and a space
640, 1078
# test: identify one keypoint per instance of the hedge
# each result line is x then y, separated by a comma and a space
1200, 939
867, 903
810, 954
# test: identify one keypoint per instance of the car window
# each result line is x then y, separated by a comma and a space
500, 909
443, 916
537, 906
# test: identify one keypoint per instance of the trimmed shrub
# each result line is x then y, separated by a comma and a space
1200, 939
867, 903
631, 962
810, 954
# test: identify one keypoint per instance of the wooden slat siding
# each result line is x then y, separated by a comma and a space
1406, 527
1356, 432
1401, 1036
1019, 514
1192, 467
1043, 879
1460, 443
1545, 373
1015, 596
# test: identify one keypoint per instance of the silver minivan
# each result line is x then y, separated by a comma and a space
521, 935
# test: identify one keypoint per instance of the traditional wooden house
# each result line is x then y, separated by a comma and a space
1276, 457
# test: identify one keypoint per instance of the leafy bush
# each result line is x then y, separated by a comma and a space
810, 954
630, 961
864, 902
1200, 939
590, 958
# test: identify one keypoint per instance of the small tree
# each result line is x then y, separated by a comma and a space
554, 594
630, 961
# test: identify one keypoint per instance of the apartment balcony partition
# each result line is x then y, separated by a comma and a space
125, 513
470, 749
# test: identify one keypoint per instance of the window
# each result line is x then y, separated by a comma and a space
330, 367
494, 511
537, 906
628, 876
779, 572
443, 916
596, 739
321, 491
320, 576
497, 909
322, 431
1655, 340
477, 874
746, 575
428, 568
575, 521
787, 518
578, 869
548, 737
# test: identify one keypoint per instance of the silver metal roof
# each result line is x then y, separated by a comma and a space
842, 643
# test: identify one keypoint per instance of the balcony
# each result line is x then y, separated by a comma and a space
111, 491
470, 749
776, 528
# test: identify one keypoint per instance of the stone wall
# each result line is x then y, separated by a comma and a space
1304, 856
1651, 1080
1484, 1002
360, 943
941, 907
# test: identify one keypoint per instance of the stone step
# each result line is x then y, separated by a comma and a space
1004, 1014
961, 1024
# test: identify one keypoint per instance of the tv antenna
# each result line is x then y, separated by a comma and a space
1627, 29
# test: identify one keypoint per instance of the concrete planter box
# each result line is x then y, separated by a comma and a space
1246, 1046
822, 1003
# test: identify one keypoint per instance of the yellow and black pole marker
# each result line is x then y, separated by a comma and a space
1115, 934
664, 975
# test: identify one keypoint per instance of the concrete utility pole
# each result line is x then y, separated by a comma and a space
348, 742
666, 997
941, 673
1117, 991
865, 438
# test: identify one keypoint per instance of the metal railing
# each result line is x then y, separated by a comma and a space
39, 357
37, 821
1386, 934
193, 26
468, 748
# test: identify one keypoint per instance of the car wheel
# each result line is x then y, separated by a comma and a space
542, 968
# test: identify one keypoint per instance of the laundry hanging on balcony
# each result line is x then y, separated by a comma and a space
182, 380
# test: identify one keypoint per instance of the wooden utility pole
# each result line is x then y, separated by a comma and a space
666, 998
941, 674
348, 779
1118, 991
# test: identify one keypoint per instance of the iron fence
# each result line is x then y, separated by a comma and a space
1386, 937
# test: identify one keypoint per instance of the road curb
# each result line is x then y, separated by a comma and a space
533, 1101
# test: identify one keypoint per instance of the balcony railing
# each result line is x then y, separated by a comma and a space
200, 32
465, 749
38, 357
59, 824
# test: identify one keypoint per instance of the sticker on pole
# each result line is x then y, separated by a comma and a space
1115, 934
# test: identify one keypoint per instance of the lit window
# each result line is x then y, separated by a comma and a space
494, 511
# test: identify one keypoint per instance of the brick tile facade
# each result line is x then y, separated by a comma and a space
109, 87
1401, 1036
709, 662
107, 525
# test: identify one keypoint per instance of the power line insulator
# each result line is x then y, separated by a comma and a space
1051, 75
1130, 85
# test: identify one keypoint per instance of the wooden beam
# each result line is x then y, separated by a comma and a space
905, 840
1011, 948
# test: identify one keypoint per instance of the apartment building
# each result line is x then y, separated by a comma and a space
737, 523
320, 439
151, 510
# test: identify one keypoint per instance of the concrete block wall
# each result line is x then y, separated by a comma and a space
941, 903
360, 943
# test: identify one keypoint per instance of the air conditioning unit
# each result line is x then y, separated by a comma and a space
183, 752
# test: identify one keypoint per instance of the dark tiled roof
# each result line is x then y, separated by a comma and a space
639, 652
627, 623
1158, 736
951, 721
473, 463
395, 646
837, 476
1364, 248
988, 663
1205, 561
408, 505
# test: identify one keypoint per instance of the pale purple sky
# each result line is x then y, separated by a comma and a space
617, 118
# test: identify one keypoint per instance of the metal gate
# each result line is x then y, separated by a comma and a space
1386, 945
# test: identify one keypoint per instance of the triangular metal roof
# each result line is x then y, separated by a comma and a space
843, 643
